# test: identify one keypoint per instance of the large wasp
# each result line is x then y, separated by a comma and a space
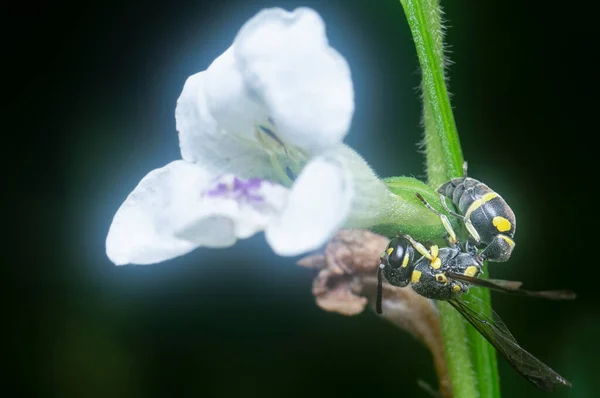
448, 272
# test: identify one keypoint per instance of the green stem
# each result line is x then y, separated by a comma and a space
472, 367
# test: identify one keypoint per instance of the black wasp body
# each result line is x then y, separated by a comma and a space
428, 273
488, 218
445, 274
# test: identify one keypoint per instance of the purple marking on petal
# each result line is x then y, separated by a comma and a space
220, 190
237, 184
255, 198
254, 182
239, 189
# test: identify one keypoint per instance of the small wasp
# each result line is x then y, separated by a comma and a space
489, 220
445, 274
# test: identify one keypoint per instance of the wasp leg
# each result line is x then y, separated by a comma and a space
445, 222
443, 200
468, 224
419, 247
432, 255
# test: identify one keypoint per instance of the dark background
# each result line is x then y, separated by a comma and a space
90, 93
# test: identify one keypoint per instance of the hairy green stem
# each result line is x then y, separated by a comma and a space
471, 359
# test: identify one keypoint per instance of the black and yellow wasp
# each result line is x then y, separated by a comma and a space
448, 272
445, 274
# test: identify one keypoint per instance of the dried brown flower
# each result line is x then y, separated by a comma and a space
347, 282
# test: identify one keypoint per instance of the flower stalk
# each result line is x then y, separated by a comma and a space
472, 366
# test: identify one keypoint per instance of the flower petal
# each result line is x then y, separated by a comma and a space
228, 100
251, 204
181, 206
287, 63
143, 229
317, 206
335, 189
204, 141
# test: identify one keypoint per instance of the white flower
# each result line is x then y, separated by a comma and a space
260, 133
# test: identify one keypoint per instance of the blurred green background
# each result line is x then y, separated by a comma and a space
88, 110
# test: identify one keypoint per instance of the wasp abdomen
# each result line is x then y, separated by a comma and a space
487, 211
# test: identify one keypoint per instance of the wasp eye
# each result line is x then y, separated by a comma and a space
397, 253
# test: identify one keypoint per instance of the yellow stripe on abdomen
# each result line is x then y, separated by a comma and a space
480, 202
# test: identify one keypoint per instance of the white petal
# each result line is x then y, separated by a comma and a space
287, 63
173, 211
204, 141
229, 101
336, 189
143, 230
251, 209
317, 206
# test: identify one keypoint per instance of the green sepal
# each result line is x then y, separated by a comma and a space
407, 214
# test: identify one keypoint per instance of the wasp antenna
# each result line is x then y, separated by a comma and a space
379, 290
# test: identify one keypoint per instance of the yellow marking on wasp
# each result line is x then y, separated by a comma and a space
390, 250
441, 278
489, 196
456, 288
501, 223
435, 250
415, 277
405, 260
436, 263
479, 202
471, 271
508, 240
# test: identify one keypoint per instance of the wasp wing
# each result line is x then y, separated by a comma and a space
494, 331
513, 287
